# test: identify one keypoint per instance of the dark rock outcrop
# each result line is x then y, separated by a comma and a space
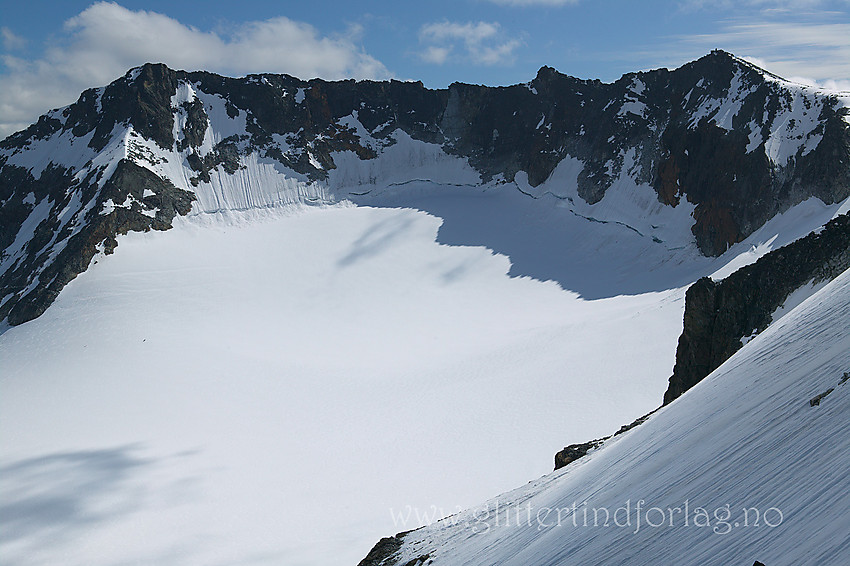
815, 401
382, 553
718, 314
573, 452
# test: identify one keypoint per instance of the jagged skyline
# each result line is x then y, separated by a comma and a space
50, 56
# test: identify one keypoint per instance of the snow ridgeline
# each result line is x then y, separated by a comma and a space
242, 174
789, 125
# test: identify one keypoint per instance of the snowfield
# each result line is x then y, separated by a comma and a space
269, 387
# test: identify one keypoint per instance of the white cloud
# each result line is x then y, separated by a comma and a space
11, 41
482, 43
469, 32
436, 55
106, 39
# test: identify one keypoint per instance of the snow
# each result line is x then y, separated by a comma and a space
628, 243
781, 230
62, 148
405, 161
298, 361
262, 183
283, 143
793, 130
721, 111
107, 160
742, 444
632, 103
796, 298
220, 124
735, 98
313, 161
637, 86
133, 74
266, 385
352, 122
98, 101
635, 107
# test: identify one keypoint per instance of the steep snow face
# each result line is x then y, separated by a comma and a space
270, 386
252, 180
402, 160
740, 468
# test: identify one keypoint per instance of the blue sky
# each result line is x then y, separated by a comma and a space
52, 50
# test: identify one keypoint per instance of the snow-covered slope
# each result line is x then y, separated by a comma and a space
741, 468
266, 387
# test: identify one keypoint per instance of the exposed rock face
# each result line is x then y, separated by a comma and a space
573, 452
729, 138
718, 314
383, 551
147, 202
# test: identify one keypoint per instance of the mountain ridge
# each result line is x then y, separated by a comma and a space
734, 142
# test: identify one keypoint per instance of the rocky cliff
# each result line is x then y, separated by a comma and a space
720, 316
736, 143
